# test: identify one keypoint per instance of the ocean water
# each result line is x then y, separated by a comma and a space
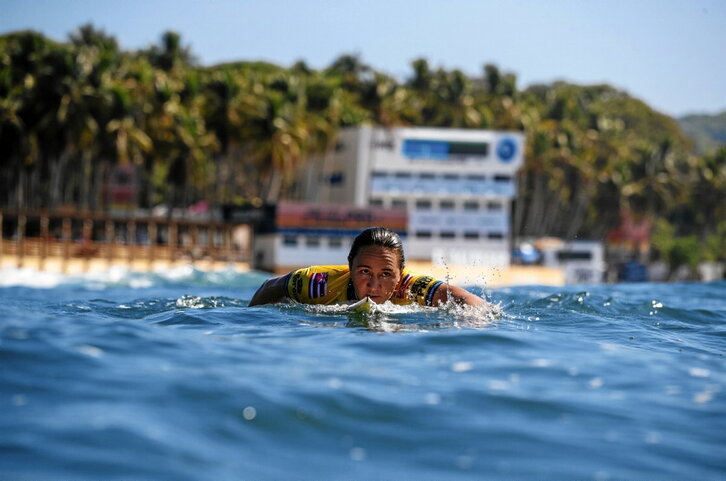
170, 376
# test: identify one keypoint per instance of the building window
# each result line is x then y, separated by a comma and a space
495, 235
376, 202
403, 175
289, 241
471, 205
427, 176
312, 241
495, 206
423, 204
448, 235
447, 205
335, 242
379, 175
399, 203
451, 177
423, 234
574, 256
471, 235
477, 178
502, 178
469, 148
336, 178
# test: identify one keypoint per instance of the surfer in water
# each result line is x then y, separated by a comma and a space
376, 269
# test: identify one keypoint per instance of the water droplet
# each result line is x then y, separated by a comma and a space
249, 413
432, 398
702, 397
541, 363
699, 372
496, 385
595, 383
91, 351
462, 366
357, 454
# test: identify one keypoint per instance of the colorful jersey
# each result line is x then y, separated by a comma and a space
331, 285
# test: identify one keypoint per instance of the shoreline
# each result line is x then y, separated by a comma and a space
74, 266
513, 275
480, 276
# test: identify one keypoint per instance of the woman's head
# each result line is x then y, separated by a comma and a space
381, 237
376, 263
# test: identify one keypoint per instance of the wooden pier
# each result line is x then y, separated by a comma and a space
71, 242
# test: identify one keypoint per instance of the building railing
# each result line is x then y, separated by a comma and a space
44, 235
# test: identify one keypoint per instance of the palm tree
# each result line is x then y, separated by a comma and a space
709, 192
280, 133
24, 106
454, 101
171, 55
227, 102
389, 103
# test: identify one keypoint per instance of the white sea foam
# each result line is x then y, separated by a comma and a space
122, 276
29, 278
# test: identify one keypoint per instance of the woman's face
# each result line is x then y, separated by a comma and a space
375, 272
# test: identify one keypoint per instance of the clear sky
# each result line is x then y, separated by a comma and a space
669, 53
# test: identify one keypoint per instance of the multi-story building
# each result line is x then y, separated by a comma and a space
456, 185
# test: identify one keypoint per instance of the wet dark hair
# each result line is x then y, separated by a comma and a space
377, 236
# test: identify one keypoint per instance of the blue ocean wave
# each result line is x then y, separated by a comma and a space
171, 376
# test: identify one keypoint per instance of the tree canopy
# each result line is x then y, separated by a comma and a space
72, 112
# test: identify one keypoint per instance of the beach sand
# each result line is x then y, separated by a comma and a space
96, 264
456, 274
490, 276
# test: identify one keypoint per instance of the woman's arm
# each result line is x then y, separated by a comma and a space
457, 294
271, 291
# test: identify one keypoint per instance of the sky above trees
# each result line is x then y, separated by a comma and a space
666, 53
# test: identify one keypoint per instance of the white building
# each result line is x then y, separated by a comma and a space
318, 234
457, 186
583, 262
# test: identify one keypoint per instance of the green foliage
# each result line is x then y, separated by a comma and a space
708, 132
69, 112
715, 245
677, 251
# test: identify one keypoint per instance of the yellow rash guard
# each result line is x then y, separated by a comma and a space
331, 285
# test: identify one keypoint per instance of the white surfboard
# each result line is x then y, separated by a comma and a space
363, 306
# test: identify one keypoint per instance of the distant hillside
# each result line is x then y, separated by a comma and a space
707, 132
